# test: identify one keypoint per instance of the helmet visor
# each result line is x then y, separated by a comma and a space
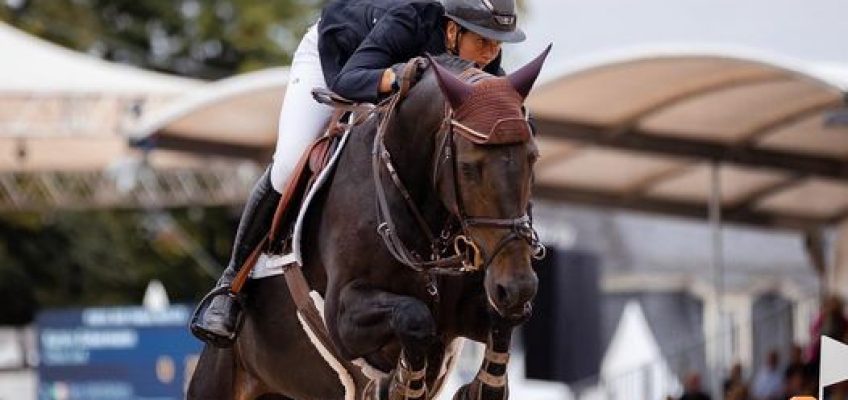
500, 27
515, 36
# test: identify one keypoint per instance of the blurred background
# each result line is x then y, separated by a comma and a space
692, 190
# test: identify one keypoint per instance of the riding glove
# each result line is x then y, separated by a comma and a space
399, 68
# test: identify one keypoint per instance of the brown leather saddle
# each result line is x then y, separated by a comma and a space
310, 165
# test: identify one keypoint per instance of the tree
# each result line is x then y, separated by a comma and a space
84, 258
200, 38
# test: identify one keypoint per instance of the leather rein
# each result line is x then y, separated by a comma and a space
467, 255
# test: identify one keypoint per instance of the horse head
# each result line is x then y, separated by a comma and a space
483, 173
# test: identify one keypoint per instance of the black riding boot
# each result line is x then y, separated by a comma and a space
216, 324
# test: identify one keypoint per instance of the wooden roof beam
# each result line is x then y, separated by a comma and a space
636, 140
164, 140
674, 208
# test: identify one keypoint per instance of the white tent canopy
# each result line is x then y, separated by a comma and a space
235, 116
34, 65
633, 366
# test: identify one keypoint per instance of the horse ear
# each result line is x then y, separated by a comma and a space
523, 79
452, 87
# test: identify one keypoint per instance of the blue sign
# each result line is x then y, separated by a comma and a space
121, 353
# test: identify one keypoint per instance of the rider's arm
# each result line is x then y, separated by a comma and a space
400, 35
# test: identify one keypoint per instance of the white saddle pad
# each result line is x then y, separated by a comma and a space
272, 265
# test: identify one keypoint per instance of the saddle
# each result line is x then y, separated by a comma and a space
311, 164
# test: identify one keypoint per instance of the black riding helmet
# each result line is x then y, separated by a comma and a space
492, 19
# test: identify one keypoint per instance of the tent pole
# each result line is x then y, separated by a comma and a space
717, 261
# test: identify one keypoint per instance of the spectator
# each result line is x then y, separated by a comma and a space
831, 322
768, 383
734, 380
796, 361
796, 380
796, 384
692, 388
737, 392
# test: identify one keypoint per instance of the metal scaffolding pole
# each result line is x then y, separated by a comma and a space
717, 261
144, 187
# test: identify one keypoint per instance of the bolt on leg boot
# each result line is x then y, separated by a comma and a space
217, 323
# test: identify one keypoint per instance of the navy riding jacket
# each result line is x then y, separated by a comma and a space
359, 39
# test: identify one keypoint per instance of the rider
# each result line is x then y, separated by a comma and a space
356, 50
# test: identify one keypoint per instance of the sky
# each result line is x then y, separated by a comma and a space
805, 30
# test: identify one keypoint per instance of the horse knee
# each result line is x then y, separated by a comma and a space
413, 323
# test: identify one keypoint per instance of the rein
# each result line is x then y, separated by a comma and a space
467, 254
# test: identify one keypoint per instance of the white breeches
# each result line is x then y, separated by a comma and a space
302, 119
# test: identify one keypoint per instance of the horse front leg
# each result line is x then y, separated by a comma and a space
369, 318
490, 383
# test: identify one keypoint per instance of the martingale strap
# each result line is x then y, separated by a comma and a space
299, 290
381, 159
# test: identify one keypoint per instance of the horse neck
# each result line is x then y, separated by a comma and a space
410, 139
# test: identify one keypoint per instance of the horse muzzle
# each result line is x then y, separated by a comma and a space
512, 299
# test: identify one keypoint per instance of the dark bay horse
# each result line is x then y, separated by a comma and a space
445, 253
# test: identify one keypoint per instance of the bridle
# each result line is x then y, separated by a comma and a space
467, 255
518, 228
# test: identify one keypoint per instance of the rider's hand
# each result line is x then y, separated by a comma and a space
397, 72
386, 81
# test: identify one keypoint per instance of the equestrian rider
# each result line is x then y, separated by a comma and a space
356, 50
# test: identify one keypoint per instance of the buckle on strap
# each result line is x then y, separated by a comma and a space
472, 256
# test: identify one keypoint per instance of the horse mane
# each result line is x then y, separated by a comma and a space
427, 86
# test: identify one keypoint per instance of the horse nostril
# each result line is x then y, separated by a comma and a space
502, 294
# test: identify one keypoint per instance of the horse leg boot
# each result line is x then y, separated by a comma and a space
491, 380
408, 382
414, 326
217, 323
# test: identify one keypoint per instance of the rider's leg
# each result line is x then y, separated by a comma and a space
217, 323
301, 120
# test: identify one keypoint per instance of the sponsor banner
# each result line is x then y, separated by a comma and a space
120, 353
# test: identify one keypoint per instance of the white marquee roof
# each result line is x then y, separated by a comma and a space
232, 117
34, 65
636, 129
831, 73
641, 131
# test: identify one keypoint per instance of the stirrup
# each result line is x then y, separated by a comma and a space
209, 337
